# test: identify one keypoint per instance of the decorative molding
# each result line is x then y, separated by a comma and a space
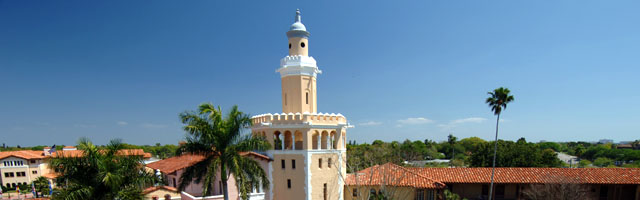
298, 65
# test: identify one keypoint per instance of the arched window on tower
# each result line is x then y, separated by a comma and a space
334, 140
315, 140
325, 137
277, 140
288, 140
298, 140
307, 98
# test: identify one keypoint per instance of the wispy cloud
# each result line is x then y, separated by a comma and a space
84, 125
413, 121
151, 125
457, 122
370, 123
122, 123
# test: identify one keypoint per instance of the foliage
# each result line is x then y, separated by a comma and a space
602, 162
220, 140
42, 185
100, 174
584, 163
448, 195
514, 154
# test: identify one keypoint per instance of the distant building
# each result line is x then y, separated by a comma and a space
605, 141
23, 167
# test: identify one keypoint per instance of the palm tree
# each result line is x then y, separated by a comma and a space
498, 101
100, 173
42, 185
221, 142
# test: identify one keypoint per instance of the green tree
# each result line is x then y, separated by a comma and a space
584, 163
101, 174
42, 185
602, 162
220, 140
498, 101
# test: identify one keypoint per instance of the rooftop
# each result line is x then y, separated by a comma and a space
419, 177
24, 154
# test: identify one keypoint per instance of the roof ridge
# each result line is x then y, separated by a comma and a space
419, 175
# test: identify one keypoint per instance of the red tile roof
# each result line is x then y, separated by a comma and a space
533, 175
151, 189
176, 163
425, 177
392, 175
24, 154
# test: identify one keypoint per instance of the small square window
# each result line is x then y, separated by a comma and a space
320, 163
282, 162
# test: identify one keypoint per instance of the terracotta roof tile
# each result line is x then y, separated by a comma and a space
176, 163
392, 175
24, 154
533, 175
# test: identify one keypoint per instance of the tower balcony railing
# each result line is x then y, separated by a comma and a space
292, 118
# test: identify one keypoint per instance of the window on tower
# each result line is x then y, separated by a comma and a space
289, 45
302, 44
307, 98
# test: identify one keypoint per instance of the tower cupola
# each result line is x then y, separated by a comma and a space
298, 37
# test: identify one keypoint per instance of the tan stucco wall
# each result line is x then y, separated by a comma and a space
364, 191
296, 48
280, 176
160, 194
325, 175
294, 90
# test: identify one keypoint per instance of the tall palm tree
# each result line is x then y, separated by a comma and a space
220, 140
498, 101
100, 173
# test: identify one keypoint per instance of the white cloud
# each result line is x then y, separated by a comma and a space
414, 121
457, 122
370, 123
469, 120
122, 123
150, 125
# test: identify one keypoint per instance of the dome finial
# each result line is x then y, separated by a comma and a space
298, 15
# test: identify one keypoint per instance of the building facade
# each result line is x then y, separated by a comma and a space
21, 167
309, 152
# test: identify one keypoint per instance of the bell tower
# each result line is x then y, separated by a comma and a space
298, 72
309, 147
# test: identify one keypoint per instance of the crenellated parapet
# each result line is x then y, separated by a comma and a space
299, 118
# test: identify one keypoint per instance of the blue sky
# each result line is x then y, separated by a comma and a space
397, 70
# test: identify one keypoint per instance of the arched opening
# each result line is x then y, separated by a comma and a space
277, 141
334, 140
298, 140
288, 140
315, 136
264, 135
325, 137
